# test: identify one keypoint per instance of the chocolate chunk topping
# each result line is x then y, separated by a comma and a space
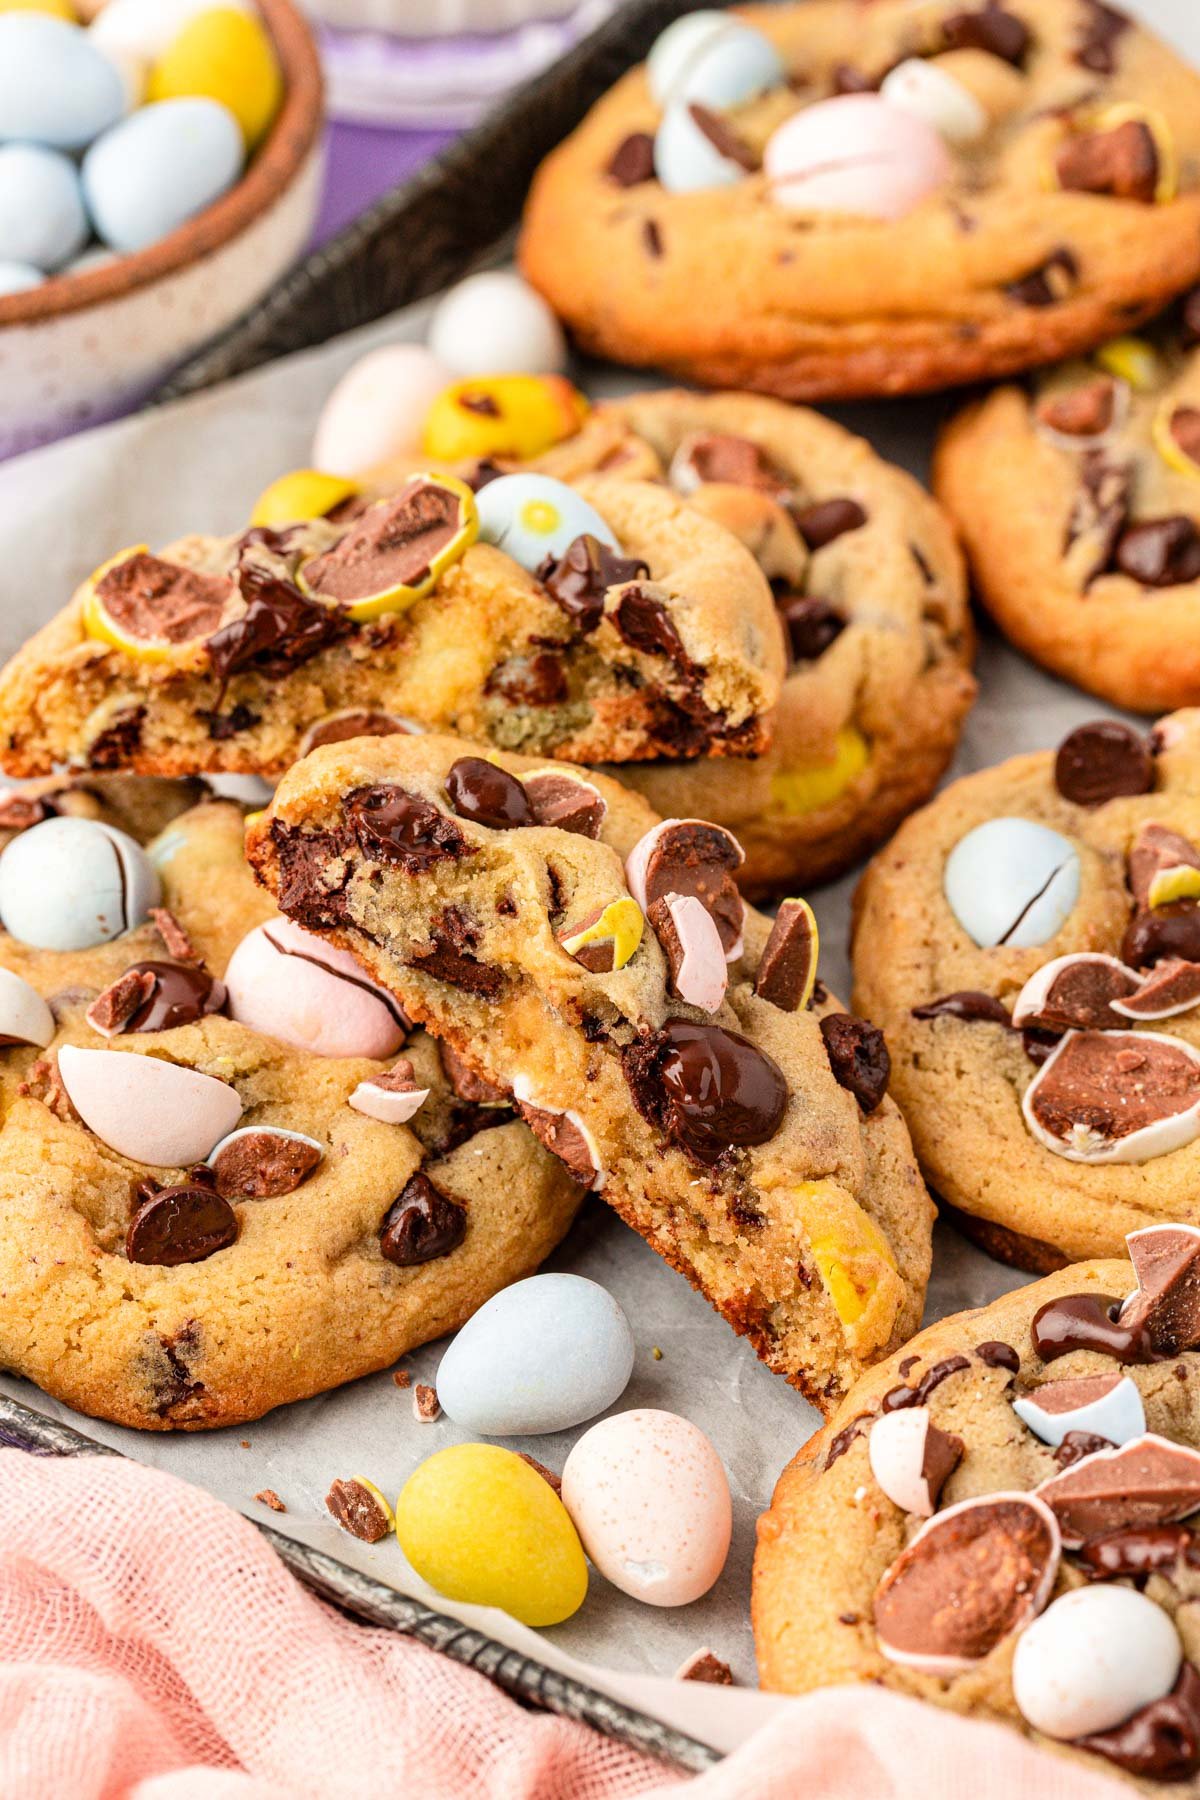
632, 162
737, 461
1083, 411
710, 1090
175, 939
1103, 761
1101, 1087
278, 631
1078, 1444
578, 580
394, 544
398, 827
645, 623
692, 857
785, 974
1102, 28
150, 598
811, 625
1087, 1322
1140, 1550
1160, 552
826, 520
1161, 1742
724, 140
1165, 1308
998, 1355
988, 28
1050, 282
1162, 933
357, 1510
353, 723
1148, 1481
259, 1165
858, 1057
564, 1138
450, 957
1122, 162
537, 680
566, 803
183, 1224
1155, 849
421, 1225
968, 1005
475, 1089
487, 794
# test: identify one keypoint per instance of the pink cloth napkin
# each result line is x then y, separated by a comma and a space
153, 1646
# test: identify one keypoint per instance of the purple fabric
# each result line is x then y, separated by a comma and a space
363, 162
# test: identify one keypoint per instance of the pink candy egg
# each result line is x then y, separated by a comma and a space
649, 1497
291, 985
856, 154
377, 410
146, 1109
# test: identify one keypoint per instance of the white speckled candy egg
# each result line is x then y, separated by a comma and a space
686, 159
42, 220
542, 1355
70, 883
377, 410
1012, 881
531, 517
935, 95
495, 323
16, 277
158, 168
1092, 1659
145, 28
855, 154
56, 87
147, 1109
650, 1500
729, 68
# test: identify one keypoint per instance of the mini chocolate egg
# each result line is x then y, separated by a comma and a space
650, 1500
531, 517
688, 158
56, 87
291, 985
495, 320
42, 220
1107, 1406
147, 1109
67, 884
227, 55
1093, 1659
480, 1525
542, 1355
145, 28
855, 154
502, 415
728, 68
1012, 881
24, 1016
378, 408
933, 94
16, 277
158, 168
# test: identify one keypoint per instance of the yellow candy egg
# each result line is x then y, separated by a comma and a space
301, 494
227, 56
502, 415
61, 9
807, 789
481, 1526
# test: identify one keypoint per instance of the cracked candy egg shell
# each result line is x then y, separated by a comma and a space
961, 1083
67, 884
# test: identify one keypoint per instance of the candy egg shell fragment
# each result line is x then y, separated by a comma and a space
42, 220
1092, 1660
152, 609
291, 985
857, 155
933, 94
376, 412
396, 551
68, 884
495, 320
609, 940
301, 494
531, 517
146, 1109
245, 790
690, 856
56, 87
1166, 1261
158, 168
1122, 1077
481, 1526
543, 1355
687, 158
650, 1500
911, 1459
1012, 881
502, 415
1133, 360
389, 1101
1107, 1406
24, 1016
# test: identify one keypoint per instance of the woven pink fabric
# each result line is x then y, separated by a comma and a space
151, 1645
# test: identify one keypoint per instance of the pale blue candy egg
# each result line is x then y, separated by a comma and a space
158, 167
731, 69
42, 220
531, 517
1012, 881
15, 277
70, 883
542, 1355
685, 157
55, 86
676, 50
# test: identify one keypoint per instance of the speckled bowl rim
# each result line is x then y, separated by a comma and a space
275, 166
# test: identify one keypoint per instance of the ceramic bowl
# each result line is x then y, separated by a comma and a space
83, 348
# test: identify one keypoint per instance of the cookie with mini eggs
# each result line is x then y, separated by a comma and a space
836, 200
221, 1141
1002, 1520
1030, 943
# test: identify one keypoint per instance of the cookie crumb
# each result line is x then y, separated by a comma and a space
360, 1508
244, 1442
402, 1378
268, 1497
546, 1474
656, 1353
702, 1665
426, 1405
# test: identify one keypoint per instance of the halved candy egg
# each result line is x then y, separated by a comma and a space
397, 551
147, 1109
502, 415
1176, 433
301, 494
156, 611
531, 517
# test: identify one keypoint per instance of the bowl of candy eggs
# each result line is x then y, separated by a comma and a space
159, 170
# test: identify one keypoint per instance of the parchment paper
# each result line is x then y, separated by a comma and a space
196, 467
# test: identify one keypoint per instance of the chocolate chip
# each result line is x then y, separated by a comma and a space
689, 856
421, 1225
996, 1354
632, 162
789, 960
1163, 933
968, 1005
645, 623
1103, 761
858, 1057
1160, 552
1122, 162
537, 680
826, 520
393, 544
398, 827
710, 1090
566, 802
151, 598
358, 1510
1048, 283
989, 28
1080, 412
724, 140
578, 580
652, 237
261, 1165
811, 625
182, 1224
1103, 26
1161, 1742
487, 794
116, 746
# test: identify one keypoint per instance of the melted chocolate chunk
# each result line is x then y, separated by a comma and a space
826, 520
968, 1005
118, 743
1103, 27
1161, 933
645, 623
988, 28
1122, 162
1161, 1742
898, 1399
1148, 1481
450, 958
1088, 1322
998, 1355
1078, 1444
173, 994
632, 162
278, 631
578, 580
1103, 761
537, 680
154, 599
421, 1225
487, 794
708, 1089
811, 625
395, 826
1160, 552
313, 873
393, 544
1050, 282
858, 1057
839, 1444
184, 1224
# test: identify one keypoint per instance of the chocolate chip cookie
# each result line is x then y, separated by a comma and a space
831, 200
1001, 1519
1030, 944
1078, 502
599, 965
